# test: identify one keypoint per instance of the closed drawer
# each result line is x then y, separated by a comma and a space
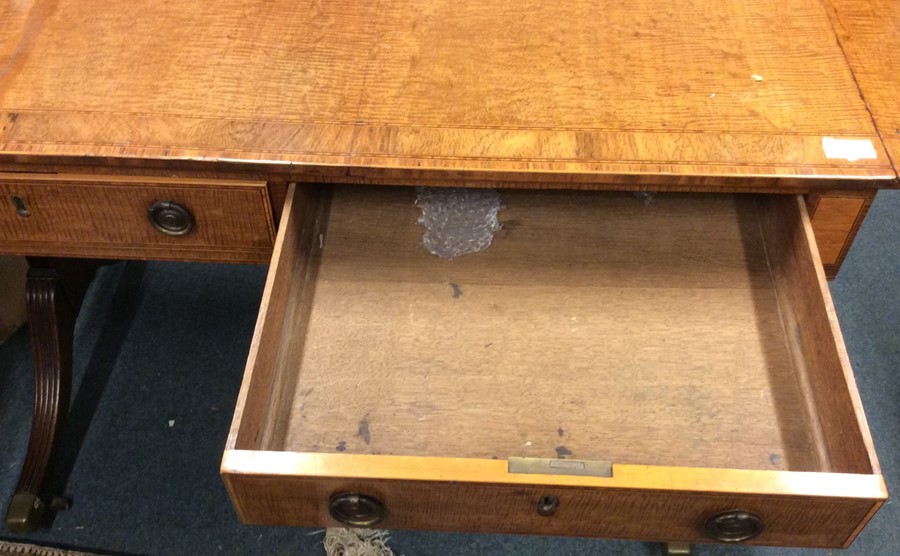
103, 216
666, 372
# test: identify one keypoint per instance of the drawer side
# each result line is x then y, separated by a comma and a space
264, 384
811, 326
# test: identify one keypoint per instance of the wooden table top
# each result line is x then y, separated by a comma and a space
585, 90
869, 31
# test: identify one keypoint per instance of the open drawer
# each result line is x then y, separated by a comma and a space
671, 371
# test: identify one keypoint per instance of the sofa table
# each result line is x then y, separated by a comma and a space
667, 370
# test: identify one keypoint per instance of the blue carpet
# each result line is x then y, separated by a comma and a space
162, 342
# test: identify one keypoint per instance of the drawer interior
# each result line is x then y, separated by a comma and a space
694, 331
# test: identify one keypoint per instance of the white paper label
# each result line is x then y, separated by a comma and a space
849, 149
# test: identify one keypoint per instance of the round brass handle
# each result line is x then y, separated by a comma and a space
355, 509
733, 526
171, 218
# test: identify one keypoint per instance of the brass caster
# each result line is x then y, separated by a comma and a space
25, 513
677, 549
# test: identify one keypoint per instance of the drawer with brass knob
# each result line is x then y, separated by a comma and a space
672, 371
135, 217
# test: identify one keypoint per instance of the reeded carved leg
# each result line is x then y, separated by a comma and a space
53, 296
52, 325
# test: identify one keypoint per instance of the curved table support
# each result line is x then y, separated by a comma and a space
54, 292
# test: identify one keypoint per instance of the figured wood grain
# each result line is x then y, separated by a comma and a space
479, 88
835, 226
869, 34
103, 216
405, 176
617, 513
811, 326
594, 327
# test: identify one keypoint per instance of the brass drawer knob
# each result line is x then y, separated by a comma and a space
548, 505
733, 526
356, 510
171, 218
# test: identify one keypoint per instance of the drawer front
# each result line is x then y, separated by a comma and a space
609, 513
708, 373
135, 218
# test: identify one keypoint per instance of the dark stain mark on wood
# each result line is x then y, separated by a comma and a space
775, 459
560, 432
562, 452
488, 345
363, 431
342, 446
456, 291
13, 116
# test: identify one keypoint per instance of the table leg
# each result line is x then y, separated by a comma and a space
54, 292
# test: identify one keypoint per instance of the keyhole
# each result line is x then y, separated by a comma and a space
548, 505
21, 208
